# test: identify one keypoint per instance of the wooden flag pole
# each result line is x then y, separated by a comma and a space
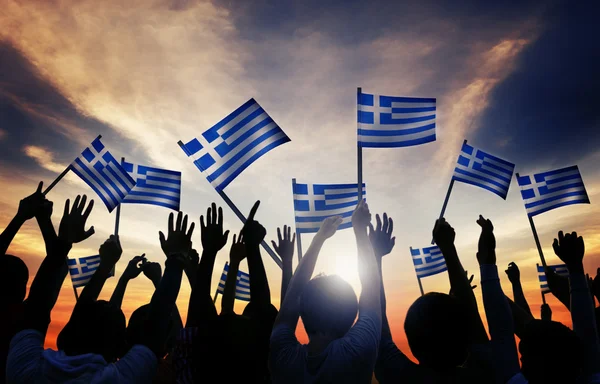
358, 149
418, 278
535, 236
241, 217
59, 177
448, 193
298, 235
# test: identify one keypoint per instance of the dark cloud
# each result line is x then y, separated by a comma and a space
547, 110
33, 111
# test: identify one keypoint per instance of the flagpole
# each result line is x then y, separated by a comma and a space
418, 278
216, 294
118, 213
241, 217
358, 149
298, 235
76, 294
535, 236
448, 193
543, 298
59, 177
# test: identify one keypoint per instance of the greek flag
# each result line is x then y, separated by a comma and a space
242, 285
544, 191
561, 270
99, 169
389, 121
313, 203
234, 143
153, 186
481, 169
428, 261
82, 269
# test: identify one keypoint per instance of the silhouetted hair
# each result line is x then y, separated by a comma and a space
328, 306
97, 327
13, 279
550, 353
137, 329
437, 331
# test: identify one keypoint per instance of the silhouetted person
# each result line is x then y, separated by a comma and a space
337, 352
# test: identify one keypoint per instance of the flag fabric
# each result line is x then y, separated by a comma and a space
428, 261
313, 203
544, 191
99, 169
483, 170
561, 270
153, 186
390, 121
235, 142
242, 285
82, 269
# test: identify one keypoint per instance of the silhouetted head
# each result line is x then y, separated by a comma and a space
96, 327
137, 331
437, 331
550, 353
13, 280
328, 306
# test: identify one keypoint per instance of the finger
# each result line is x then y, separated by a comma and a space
293, 241
556, 247
253, 210
561, 237
393, 241
202, 226
89, 233
279, 235
184, 224
67, 203
170, 224
473, 287
179, 220
39, 187
241, 237
275, 247
371, 229
378, 220
161, 237
220, 217
391, 226
289, 234
82, 204
76, 204
88, 210
208, 216
191, 230
234, 237
225, 236
385, 223
213, 207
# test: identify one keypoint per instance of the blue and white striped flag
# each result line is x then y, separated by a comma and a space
561, 270
483, 170
99, 169
153, 186
242, 284
313, 203
428, 261
235, 142
544, 191
83, 268
389, 121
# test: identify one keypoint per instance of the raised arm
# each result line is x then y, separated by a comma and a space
28, 208
559, 286
254, 233
132, 271
49, 278
110, 252
290, 308
236, 255
443, 235
177, 247
570, 248
514, 275
285, 250
497, 309
153, 272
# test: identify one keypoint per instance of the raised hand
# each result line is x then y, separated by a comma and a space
110, 251
546, 312
45, 210
72, 226
213, 238
178, 243
152, 271
253, 232
471, 280
285, 245
329, 227
443, 233
30, 206
513, 273
238, 249
487, 242
570, 248
381, 237
361, 217
134, 267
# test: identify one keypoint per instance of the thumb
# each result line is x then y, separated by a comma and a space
89, 233
226, 235
275, 247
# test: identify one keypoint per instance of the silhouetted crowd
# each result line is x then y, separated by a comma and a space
349, 338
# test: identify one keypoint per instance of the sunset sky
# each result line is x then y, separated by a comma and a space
519, 81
